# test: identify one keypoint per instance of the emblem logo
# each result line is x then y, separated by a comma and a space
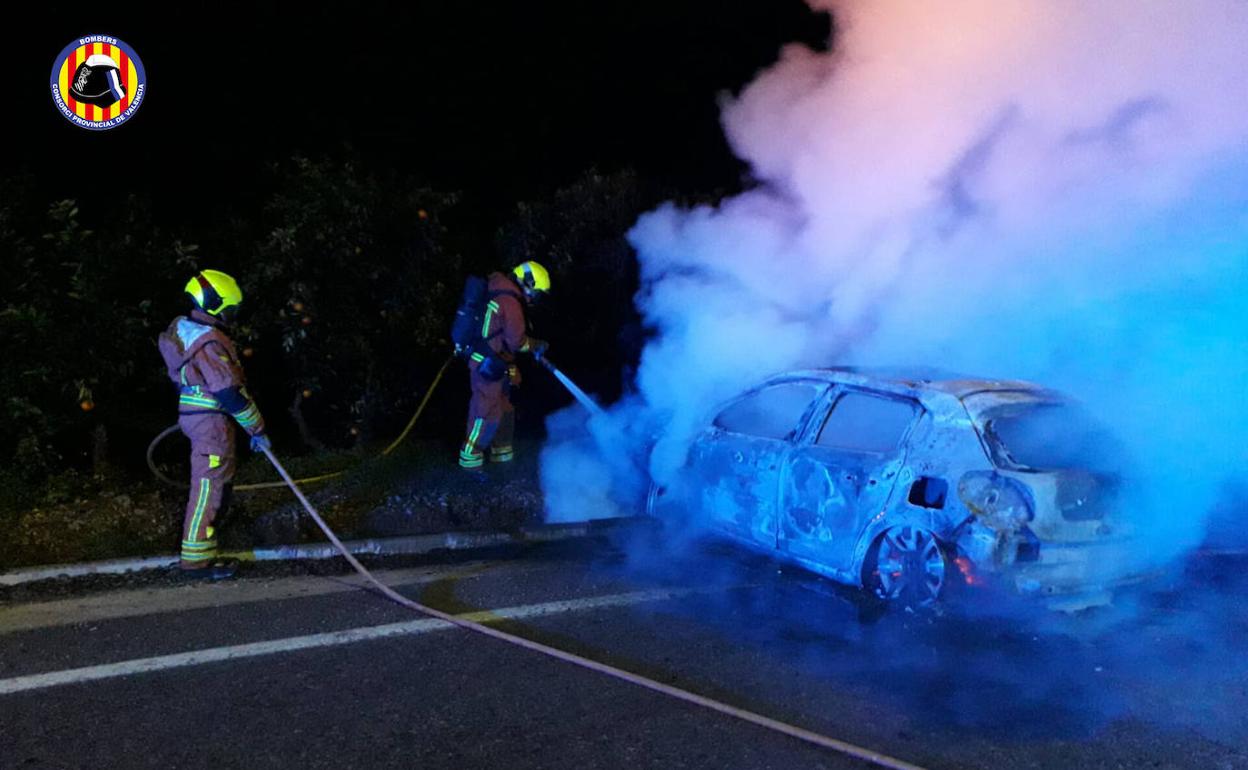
98, 82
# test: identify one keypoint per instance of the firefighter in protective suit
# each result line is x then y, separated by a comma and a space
492, 374
202, 362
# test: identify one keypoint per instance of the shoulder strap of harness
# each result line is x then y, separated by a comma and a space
215, 336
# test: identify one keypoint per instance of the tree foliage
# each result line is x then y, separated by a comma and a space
353, 287
347, 291
350, 282
579, 234
75, 331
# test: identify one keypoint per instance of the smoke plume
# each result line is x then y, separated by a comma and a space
1054, 191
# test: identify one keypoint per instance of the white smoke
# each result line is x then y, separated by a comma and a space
1052, 190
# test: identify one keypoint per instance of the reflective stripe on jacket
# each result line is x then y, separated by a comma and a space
504, 326
201, 360
192, 398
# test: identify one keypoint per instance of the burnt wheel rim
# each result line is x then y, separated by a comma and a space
652, 499
909, 567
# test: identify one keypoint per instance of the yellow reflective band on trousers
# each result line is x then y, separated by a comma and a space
199, 550
205, 490
469, 457
214, 461
470, 446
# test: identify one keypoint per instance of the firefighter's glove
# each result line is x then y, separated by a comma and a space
538, 348
260, 443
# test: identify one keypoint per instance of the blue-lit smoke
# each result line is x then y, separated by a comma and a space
1055, 191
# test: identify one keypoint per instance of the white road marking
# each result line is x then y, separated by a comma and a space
330, 639
195, 596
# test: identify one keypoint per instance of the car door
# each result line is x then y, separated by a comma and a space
738, 461
842, 474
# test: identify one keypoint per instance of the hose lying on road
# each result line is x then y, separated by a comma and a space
155, 469
809, 736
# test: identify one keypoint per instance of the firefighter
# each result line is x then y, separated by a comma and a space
492, 369
202, 362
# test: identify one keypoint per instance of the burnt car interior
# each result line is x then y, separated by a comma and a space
862, 421
773, 412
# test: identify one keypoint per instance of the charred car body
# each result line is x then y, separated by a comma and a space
907, 486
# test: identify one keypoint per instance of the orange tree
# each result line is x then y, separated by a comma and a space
579, 234
77, 315
350, 292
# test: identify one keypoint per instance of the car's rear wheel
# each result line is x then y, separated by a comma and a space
908, 566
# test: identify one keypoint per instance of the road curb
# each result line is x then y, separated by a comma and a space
386, 546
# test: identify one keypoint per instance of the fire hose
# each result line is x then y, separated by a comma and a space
566, 381
576, 392
155, 469
809, 736
754, 718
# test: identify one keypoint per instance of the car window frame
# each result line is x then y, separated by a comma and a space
816, 426
822, 388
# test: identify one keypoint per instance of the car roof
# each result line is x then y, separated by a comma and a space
921, 379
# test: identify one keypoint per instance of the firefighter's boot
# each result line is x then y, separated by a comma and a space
218, 570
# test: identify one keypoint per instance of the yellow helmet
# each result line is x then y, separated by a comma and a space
532, 277
214, 291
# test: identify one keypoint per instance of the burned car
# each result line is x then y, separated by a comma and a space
909, 486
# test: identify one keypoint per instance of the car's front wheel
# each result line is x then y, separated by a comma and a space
906, 565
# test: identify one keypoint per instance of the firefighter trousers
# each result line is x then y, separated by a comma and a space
212, 471
491, 421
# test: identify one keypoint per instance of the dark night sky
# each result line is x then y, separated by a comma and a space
501, 100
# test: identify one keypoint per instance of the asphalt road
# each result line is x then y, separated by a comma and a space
303, 670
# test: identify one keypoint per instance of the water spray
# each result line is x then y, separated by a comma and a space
616, 450
577, 393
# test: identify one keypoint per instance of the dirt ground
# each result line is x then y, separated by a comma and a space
419, 489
